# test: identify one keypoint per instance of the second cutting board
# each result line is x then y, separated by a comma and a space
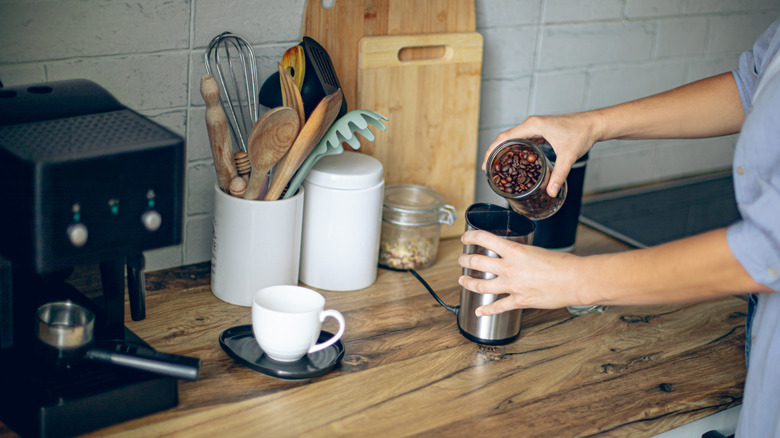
433, 107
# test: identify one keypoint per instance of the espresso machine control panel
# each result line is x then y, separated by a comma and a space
86, 181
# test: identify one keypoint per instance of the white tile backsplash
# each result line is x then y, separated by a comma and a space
508, 52
577, 45
732, 33
141, 82
725, 6
560, 11
14, 74
676, 158
654, 8
201, 178
260, 22
682, 37
559, 92
540, 57
609, 86
504, 101
506, 13
45, 30
198, 238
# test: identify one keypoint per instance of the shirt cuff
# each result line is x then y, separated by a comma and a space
757, 252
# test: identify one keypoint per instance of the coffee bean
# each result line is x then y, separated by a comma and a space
521, 167
515, 172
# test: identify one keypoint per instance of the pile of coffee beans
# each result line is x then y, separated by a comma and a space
517, 171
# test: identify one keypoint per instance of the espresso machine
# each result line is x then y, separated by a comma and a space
83, 181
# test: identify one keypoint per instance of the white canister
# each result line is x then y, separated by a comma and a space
342, 219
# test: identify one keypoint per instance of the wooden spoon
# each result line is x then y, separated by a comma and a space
291, 95
269, 140
319, 122
219, 137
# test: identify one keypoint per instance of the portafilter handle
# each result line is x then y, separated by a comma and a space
143, 358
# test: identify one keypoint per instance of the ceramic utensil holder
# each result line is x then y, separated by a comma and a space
256, 244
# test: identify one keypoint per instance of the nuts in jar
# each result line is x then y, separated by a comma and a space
411, 223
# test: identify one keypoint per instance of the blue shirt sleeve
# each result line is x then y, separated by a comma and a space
755, 240
754, 62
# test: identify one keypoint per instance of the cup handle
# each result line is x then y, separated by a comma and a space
335, 314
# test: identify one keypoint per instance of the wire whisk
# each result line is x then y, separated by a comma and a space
231, 59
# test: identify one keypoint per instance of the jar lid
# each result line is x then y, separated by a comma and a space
409, 204
347, 170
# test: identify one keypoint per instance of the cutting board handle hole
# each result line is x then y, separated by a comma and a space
420, 53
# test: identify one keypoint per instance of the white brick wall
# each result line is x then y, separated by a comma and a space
593, 53
541, 57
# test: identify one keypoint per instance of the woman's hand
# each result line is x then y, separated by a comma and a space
533, 277
570, 135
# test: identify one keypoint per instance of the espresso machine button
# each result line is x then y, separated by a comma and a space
78, 234
151, 220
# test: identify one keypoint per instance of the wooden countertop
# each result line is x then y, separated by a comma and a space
407, 370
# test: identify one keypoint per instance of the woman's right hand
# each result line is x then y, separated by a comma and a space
570, 135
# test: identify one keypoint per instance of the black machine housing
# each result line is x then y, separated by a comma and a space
83, 180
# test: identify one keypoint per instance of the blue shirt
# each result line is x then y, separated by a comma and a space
755, 240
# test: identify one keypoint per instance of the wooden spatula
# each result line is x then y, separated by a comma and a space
319, 121
269, 140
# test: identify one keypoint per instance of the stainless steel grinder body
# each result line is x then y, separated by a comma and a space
505, 327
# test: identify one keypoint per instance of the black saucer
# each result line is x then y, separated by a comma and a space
239, 343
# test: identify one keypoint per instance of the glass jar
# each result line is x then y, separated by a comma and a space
519, 171
412, 216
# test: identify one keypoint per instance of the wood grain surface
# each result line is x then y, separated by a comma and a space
431, 138
632, 371
340, 28
433, 107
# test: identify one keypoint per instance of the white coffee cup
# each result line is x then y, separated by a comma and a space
286, 321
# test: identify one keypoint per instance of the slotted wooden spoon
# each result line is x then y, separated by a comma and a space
291, 95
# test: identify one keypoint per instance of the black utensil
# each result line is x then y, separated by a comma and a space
322, 82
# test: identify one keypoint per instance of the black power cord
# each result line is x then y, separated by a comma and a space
453, 309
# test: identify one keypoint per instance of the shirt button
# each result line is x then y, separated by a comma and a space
772, 272
740, 170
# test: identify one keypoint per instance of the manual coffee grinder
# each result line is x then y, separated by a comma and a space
83, 181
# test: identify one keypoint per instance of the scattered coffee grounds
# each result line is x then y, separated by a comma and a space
517, 171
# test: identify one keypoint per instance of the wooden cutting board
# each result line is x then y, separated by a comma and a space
340, 28
433, 107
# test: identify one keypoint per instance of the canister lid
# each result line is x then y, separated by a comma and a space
347, 171
409, 204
